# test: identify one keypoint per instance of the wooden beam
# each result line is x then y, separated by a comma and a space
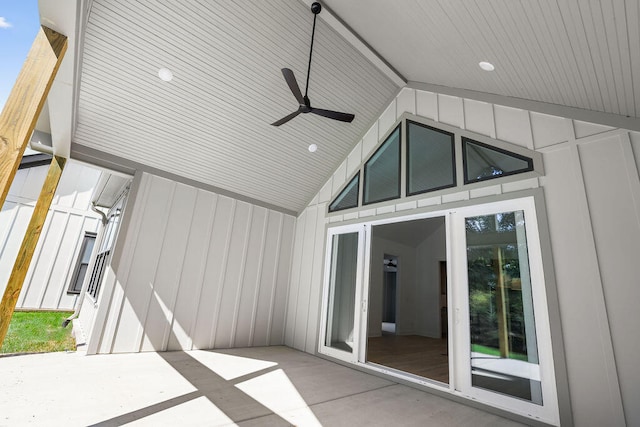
502, 305
21, 111
19, 272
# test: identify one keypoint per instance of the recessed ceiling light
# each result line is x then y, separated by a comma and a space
487, 66
313, 148
165, 74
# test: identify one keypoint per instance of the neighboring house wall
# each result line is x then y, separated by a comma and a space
192, 270
54, 260
592, 193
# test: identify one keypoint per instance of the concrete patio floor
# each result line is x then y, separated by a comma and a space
266, 386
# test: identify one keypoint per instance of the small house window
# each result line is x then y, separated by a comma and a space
483, 162
348, 197
430, 159
82, 264
382, 171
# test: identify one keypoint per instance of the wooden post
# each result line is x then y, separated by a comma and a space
19, 272
502, 305
20, 113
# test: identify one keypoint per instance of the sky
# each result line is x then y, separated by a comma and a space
19, 24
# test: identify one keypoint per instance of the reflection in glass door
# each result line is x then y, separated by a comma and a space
504, 354
503, 345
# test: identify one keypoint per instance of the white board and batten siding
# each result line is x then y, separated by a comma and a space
54, 260
592, 193
197, 270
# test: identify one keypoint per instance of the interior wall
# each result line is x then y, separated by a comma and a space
69, 218
196, 270
592, 193
429, 254
406, 286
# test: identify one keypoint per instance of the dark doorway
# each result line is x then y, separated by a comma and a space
407, 327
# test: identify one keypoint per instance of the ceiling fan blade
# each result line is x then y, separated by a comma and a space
286, 118
293, 85
335, 115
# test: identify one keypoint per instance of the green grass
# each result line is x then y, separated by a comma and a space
496, 352
37, 332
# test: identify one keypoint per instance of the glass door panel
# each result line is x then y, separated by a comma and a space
504, 354
341, 293
503, 345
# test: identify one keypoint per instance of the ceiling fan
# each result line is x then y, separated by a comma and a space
303, 101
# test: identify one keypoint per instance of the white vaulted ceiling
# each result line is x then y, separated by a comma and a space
583, 54
211, 124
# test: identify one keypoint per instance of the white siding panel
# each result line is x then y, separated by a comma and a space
43, 260
353, 162
280, 301
478, 117
191, 280
64, 261
584, 129
339, 177
138, 285
33, 183
613, 193
251, 283
18, 182
580, 294
267, 279
406, 102
387, 119
214, 273
370, 141
315, 294
196, 275
306, 268
165, 283
11, 223
326, 191
513, 125
294, 288
450, 110
549, 130
232, 282
427, 105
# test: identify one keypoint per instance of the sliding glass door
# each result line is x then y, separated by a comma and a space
502, 307
468, 287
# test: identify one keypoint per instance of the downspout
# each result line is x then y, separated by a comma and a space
87, 277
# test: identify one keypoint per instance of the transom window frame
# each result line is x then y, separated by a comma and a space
460, 185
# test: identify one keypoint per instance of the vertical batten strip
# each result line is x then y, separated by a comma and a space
240, 284
256, 294
221, 276
274, 280
201, 275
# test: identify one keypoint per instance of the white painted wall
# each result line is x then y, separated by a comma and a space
54, 260
592, 191
193, 270
406, 286
427, 310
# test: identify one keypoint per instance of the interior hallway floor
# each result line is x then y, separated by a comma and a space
265, 386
